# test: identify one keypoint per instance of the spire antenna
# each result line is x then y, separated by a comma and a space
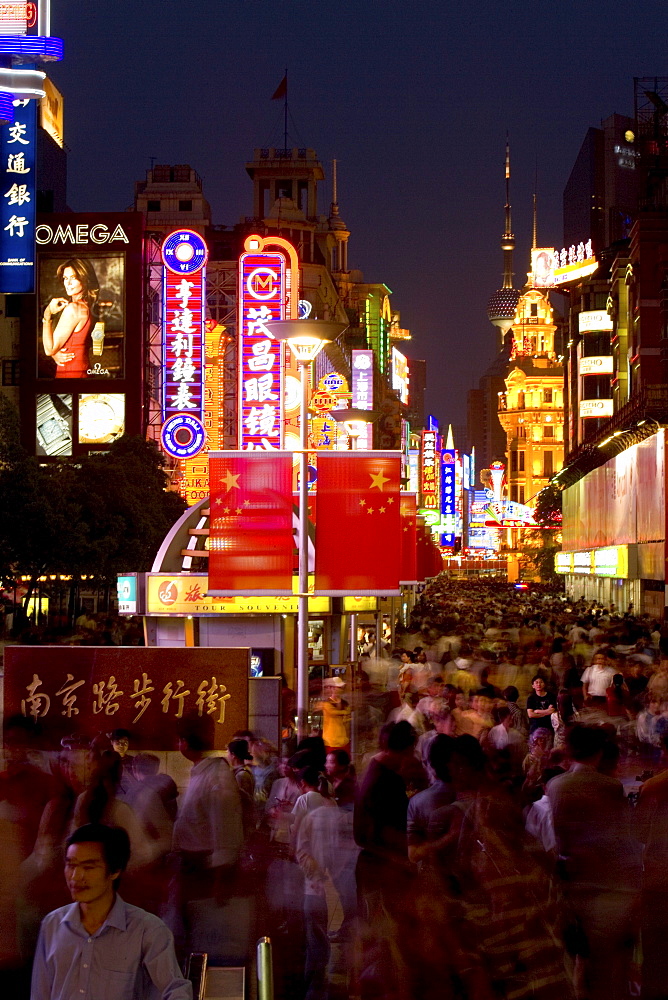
508, 239
503, 302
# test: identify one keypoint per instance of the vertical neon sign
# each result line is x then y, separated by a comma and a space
362, 390
184, 255
429, 483
448, 502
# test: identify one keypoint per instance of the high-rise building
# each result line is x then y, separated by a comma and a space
601, 194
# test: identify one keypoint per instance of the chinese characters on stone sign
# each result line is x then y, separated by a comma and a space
106, 698
262, 298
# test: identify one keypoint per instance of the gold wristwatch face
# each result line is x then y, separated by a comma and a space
101, 417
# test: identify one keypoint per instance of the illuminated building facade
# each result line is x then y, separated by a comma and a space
531, 408
614, 479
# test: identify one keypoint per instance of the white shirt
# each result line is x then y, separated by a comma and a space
209, 817
598, 680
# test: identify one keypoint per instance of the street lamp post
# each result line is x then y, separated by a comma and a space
306, 338
355, 421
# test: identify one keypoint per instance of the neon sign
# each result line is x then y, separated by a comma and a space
550, 267
362, 390
184, 255
429, 481
16, 18
262, 297
448, 501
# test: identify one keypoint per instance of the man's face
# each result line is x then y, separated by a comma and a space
87, 875
599, 660
121, 745
539, 686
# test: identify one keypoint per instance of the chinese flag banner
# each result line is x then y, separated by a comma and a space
358, 545
429, 558
250, 525
408, 538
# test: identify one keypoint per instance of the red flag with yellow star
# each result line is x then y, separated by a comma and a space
358, 544
250, 523
408, 538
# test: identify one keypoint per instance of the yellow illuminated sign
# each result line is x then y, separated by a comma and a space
51, 112
176, 594
360, 604
563, 562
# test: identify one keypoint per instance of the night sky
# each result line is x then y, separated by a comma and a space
413, 99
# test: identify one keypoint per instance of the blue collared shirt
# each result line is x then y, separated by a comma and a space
131, 957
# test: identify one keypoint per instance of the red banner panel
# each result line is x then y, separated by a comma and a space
250, 526
408, 538
358, 546
429, 558
90, 690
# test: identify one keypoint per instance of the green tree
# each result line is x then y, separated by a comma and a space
540, 545
98, 515
126, 508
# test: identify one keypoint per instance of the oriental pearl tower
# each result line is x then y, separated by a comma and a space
503, 303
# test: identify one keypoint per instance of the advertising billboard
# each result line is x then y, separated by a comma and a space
596, 365
400, 374
596, 408
81, 315
82, 346
594, 321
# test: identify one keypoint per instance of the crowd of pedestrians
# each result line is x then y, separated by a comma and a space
484, 814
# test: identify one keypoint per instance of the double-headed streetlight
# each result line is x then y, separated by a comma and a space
306, 338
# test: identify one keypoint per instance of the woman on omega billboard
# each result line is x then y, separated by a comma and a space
81, 305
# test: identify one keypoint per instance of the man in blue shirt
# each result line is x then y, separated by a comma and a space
100, 947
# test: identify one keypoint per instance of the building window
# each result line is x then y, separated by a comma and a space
513, 493
547, 395
185, 205
10, 372
520, 401
153, 206
513, 461
521, 455
13, 306
534, 308
548, 432
548, 464
521, 495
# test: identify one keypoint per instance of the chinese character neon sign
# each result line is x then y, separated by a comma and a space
362, 391
448, 499
429, 481
184, 255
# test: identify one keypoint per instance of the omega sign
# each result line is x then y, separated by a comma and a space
80, 234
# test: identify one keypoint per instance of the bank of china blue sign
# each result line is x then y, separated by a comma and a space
17, 199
